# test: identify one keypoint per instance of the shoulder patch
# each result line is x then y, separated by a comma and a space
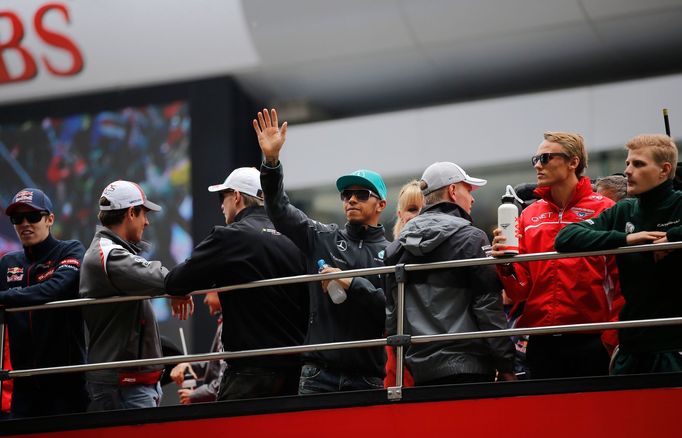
71, 261
15, 273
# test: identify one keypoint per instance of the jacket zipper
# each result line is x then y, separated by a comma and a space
360, 246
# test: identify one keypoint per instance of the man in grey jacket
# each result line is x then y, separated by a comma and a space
112, 266
456, 300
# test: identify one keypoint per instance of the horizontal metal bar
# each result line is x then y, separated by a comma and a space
422, 339
550, 329
543, 256
228, 355
364, 272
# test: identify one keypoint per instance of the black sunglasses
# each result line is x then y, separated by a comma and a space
31, 216
544, 158
360, 194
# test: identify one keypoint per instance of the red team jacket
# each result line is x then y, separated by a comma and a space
564, 291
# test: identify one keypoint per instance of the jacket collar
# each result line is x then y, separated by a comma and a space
368, 234
38, 250
582, 189
135, 248
250, 211
654, 197
448, 208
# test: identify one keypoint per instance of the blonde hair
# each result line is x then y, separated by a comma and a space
663, 149
573, 144
410, 194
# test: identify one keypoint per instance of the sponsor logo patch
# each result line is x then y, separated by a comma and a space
24, 196
44, 276
15, 274
142, 261
271, 231
629, 227
543, 216
74, 262
667, 224
582, 212
342, 245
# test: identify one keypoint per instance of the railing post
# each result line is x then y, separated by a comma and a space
395, 393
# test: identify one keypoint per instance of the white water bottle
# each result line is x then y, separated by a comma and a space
507, 218
336, 292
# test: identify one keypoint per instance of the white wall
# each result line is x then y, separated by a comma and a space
478, 133
125, 43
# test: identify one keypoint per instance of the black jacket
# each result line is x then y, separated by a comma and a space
246, 250
362, 315
455, 300
41, 273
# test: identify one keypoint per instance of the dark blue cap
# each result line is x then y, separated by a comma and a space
34, 198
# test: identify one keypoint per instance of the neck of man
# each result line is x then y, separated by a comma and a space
371, 223
562, 192
120, 231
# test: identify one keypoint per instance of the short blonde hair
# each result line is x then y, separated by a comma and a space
573, 144
663, 149
410, 194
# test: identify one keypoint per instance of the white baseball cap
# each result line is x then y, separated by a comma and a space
124, 194
444, 173
244, 180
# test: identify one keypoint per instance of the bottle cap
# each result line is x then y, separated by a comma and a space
320, 264
510, 195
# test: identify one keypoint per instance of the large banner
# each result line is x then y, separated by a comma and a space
53, 48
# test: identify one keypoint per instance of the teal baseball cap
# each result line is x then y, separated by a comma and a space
363, 178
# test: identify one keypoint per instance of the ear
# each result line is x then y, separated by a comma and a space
50, 219
452, 193
666, 168
381, 205
573, 162
238, 197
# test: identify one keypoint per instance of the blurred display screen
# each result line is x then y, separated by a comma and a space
73, 158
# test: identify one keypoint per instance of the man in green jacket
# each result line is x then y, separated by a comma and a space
648, 279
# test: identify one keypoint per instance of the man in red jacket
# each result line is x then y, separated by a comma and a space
565, 291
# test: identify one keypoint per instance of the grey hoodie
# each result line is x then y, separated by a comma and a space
448, 300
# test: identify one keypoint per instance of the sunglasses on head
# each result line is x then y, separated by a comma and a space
360, 194
31, 216
546, 157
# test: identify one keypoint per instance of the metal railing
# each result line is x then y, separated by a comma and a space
400, 271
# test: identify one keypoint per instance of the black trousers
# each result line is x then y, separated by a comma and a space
254, 382
571, 355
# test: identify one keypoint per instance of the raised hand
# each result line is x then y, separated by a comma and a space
270, 137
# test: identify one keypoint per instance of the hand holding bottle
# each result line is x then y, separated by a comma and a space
335, 288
